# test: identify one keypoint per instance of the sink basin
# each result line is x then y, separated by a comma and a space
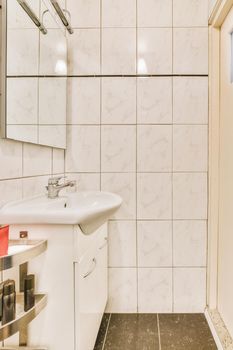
89, 210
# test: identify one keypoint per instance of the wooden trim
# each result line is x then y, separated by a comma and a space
217, 18
213, 208
219, 13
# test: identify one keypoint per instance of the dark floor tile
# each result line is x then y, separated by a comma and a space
102, 332
185, 332
132, 332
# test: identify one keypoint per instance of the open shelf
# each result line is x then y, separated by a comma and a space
21, 251
23, 318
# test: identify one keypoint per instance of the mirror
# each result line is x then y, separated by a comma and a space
35, 71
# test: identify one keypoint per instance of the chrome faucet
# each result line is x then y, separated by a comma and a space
54, 186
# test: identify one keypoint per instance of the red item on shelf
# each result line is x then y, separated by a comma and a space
4, 240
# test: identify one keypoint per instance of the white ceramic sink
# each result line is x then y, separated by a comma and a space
87, 209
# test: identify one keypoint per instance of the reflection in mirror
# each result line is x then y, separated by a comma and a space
36, 69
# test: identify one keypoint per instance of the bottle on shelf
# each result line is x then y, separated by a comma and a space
9, 302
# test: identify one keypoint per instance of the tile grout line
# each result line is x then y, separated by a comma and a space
106, 333
160, 348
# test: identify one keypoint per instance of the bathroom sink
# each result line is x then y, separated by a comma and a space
89, 210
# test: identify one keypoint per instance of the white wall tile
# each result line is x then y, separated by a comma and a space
150, 60
16, 16
190, 100
154, 13
154, 148
154, 196
125, 186
190, 148
22, 51
190, 13
118, 13
83, 100
189, 290
33, 186
118, 148
154, 243
53, 53
84, 52
58, 161
27, 133
52, 100
22, 100
190, 54
122, 243
86, 181
154, 100
10, 159
52, 135
10, 190
85, 13
122, 290
83, 149
37, 160
190, 196
118, 51
118, 100
189, 243
154, 290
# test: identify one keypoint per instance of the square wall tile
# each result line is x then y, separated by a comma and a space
118, 100
84, 52
83, 149
118, 148
154, 148
52, 135
16, 17
122, 243
125, 186
53, 53
190, 100
37, 160
52, 100
190, 196
190, 13
154, 196
154, 290
11, 190
154, 100
10, 150
122, 290
85, 13
150, 60
86, 181
22, 51
154, 13
190, 243
190, 53
25, 133
22, 100
118, 13
118, 51
83, 101
190, 148
34, 186
154, 243
189, 290
58, 161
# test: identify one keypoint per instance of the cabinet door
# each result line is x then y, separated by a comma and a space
90, 294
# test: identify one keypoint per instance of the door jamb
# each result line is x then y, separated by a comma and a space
216, 20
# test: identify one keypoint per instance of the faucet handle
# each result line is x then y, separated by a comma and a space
55, 180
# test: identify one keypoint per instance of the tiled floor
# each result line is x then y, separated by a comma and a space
154, 332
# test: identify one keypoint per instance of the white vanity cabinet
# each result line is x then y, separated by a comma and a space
73, 274
90, 293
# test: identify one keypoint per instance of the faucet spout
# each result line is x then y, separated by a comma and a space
54, 186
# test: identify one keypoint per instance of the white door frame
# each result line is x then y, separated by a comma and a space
216, 20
